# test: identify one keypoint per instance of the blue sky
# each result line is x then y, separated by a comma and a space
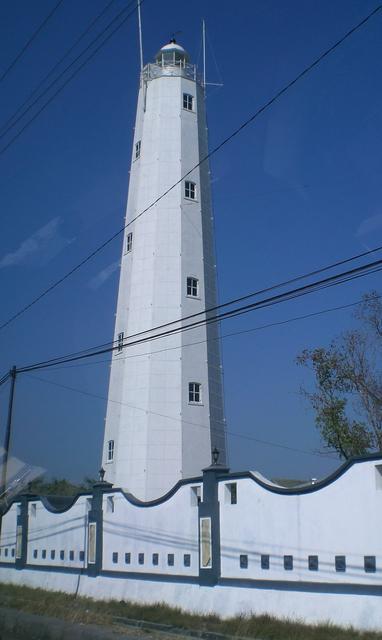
298, 189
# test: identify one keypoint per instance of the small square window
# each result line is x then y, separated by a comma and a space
190, 190
110, 450
243, 561
188, 102
196, 495
129, 242
62, 554
370, 564
35, 553
170, 559
155, 559
288, 563
141, 558
110, 504
378, 476
313, 563
187, 560
33, 509
71, 555
43, 554
231, 493
192, 287
127, 558
13, 553
194, 392
340, 563
52, 554
120, 342
6, 553
115, 557
82, 556
137, 149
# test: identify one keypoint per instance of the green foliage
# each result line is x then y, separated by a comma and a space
88, 611
347, 399
59, 487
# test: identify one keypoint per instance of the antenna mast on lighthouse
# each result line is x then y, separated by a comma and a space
140, 34
204, 52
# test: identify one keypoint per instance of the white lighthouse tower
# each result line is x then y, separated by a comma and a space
165, 404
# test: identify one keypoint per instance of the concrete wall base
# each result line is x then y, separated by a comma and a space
360, 611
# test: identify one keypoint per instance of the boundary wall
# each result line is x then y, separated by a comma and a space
224, 543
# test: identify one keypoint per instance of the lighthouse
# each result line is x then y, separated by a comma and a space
165, 402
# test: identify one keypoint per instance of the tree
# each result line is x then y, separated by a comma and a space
347, 398
59, 487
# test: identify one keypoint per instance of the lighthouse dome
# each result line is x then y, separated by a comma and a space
172, 54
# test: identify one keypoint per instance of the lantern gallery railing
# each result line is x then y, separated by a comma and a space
179, 68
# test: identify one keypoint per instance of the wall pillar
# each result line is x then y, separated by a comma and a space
22, 534
209, 526
95, 529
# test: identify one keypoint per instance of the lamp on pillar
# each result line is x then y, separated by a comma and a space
215, 456
101, 474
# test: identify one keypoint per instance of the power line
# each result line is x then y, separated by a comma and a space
29, 42
161, 415
235, 301
319, 285
224, 336
265, 106
46, 90
7, 125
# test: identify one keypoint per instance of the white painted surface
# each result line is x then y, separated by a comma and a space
343, 517
57, 532
159, 437
362, 612
168, 528
8, 535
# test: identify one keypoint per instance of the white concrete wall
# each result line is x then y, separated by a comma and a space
148, 530
343, 518
8, 535
59, 533
340, 517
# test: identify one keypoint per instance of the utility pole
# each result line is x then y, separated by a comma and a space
8, 430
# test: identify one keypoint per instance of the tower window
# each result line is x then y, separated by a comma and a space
137, 149
190, 190
120, 342
193, 287
129, 242
194, 392
110, 450
188, 102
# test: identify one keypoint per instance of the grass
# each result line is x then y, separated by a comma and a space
88, 611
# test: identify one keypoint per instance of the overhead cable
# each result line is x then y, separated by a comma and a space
182, 420
247, 122
324, 283
55, 80
29, 42
11, 120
